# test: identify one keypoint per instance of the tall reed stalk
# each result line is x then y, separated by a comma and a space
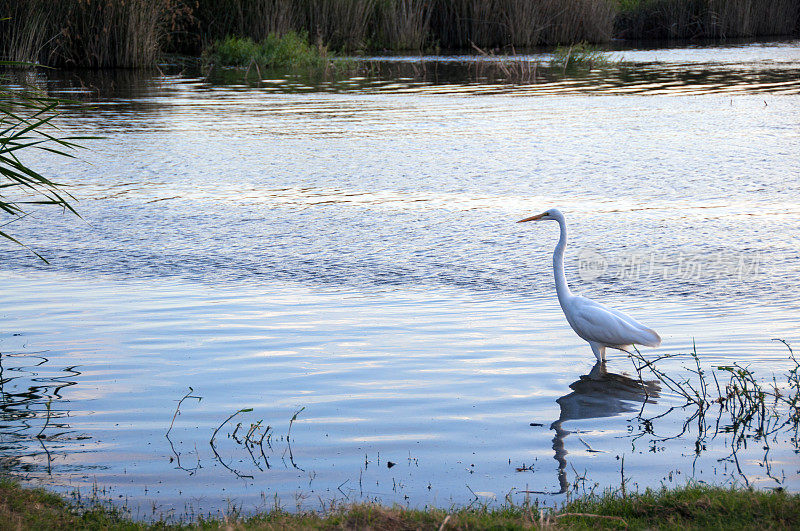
404, 24
24, 31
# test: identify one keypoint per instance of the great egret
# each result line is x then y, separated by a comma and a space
601, 326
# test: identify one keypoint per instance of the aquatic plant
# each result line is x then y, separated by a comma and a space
352, 25
256, 439
291, 50
403, 24
346, 25
743, 408
509, 67
580, 55
213, 20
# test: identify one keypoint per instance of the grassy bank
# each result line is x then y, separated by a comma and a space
692, 507
131, 33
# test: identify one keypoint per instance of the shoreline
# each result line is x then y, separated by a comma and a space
693, 506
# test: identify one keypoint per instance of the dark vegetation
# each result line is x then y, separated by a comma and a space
710, 19
132, 33
86, 33
691, 507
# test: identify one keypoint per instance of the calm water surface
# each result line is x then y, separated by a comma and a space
345, 253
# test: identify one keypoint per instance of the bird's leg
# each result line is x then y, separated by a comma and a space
599, 351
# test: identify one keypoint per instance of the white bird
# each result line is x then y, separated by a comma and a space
601, 326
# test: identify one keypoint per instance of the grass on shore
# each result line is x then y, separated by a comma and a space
691, 507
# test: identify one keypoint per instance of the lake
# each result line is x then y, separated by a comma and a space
295, 292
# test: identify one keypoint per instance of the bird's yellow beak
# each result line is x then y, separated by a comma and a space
533, 218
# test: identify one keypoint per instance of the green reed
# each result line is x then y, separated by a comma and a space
27, 122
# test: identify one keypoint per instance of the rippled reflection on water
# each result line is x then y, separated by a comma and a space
349, 248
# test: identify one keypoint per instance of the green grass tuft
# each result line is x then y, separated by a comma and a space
581, 55
289, 51
690, 507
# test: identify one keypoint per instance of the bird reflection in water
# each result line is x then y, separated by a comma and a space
598, 394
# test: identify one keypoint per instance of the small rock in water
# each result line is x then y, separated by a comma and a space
390, 464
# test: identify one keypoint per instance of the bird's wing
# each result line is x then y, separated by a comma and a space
597, 322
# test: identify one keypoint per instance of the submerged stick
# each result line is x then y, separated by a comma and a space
172, 423
178, 408
46, 421
214, 435
288, 439
214, 448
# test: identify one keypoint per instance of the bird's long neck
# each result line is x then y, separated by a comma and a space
562, 289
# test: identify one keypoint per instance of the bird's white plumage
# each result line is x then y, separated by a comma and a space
597, 322
603, 327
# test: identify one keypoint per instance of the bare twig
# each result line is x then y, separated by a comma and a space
178, 408
214, 448
288, 437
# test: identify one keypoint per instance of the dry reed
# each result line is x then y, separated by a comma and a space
86, 33
404, 24
340, 24
522, 23
255, 19
692, 19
